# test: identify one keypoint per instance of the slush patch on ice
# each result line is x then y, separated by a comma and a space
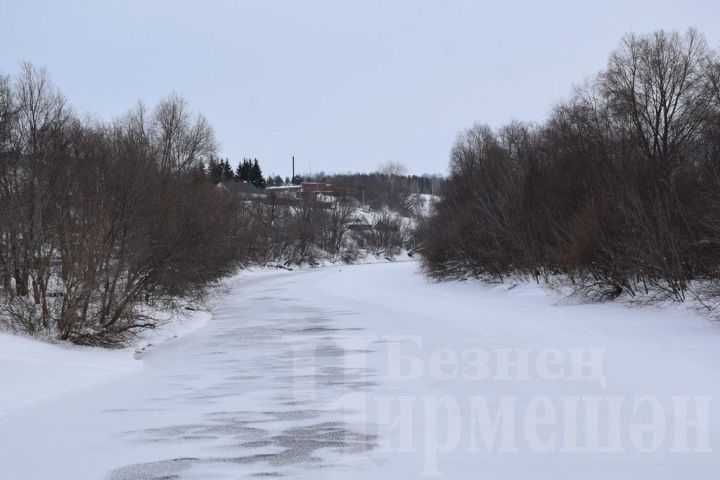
301, 446
162, 470
251, 362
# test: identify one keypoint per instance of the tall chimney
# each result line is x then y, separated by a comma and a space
292, 179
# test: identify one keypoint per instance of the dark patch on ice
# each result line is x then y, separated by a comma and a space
288, 431
161, 470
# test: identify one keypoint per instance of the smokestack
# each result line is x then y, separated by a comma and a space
292, 179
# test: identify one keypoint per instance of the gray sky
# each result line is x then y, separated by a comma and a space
343, 85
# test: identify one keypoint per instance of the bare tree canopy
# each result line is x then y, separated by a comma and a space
658, 84
102, 220
616, 193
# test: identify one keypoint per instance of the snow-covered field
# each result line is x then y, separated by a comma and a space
370, 371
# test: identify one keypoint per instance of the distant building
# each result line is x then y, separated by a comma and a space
305, 188
315, 187
242, 189
285, 191
360, 222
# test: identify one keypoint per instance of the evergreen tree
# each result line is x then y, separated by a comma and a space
277, 180
271, 181
256, 176
247, 166
227, 171
244, 170
215, 169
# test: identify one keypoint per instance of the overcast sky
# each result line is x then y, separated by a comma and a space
343, 85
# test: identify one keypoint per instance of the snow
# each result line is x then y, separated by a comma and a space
325, 198
33, 371
292, 374
424, 203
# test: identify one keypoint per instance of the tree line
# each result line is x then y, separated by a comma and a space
220, 170
390, 186
104, 222
617, 193
101, 220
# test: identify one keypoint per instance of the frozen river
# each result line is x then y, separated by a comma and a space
372, 372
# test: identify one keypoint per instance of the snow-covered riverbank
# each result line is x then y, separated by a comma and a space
33, 371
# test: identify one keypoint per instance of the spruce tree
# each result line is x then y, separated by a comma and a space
256, 176
227, 171
215, 169
247, 166
242, 171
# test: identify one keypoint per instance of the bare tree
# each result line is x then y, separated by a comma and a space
658, 83
183, 139
615, 194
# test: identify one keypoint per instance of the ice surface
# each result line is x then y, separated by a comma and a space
287, 377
